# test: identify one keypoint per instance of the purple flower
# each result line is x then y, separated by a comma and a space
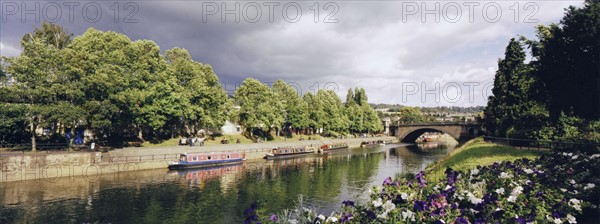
420, 205
451, 175
461, 220
498, 214
273, 217
371, 214
520, 220
420, 179
348, 203
346, 217
387, 181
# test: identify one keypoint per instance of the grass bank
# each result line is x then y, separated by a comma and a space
477, 152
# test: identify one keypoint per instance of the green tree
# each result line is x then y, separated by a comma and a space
44, 85
49, 34
202, 98
295, 109
569, 62
259, 108
410, 115
332, 109
511, 87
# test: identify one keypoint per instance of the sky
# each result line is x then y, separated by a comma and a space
416, 53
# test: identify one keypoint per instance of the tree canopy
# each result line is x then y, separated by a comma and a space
555, 95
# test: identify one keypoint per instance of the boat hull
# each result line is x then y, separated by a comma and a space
333, 149
281, 156
200, 164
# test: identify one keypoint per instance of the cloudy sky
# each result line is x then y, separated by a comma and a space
418, 53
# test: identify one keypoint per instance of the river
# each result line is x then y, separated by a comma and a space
211, 195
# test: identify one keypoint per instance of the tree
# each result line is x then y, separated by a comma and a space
49, 34
295, 109
332, 108
569, 62
259, 107
501, 111
361, 116
315, 113
43, 84
203, 99
410, 115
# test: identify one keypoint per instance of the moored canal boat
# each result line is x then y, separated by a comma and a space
368, 143
194, 160
384, 142
331, 147
284, 152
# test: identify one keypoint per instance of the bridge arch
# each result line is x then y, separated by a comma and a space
413, 135
410, 132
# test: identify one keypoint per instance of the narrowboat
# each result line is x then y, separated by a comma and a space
283, 152
330, 147
193, 160
384, 142
368, 143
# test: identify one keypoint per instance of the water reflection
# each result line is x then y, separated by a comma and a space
210, 195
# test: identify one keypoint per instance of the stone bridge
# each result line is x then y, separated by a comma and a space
459, 131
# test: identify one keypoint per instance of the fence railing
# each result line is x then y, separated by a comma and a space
543, 144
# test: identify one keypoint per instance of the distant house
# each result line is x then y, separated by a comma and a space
231, 129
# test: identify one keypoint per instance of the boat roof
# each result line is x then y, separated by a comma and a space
208, 153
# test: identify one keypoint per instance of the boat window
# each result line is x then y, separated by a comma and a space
209, 157
228, 156
194, 158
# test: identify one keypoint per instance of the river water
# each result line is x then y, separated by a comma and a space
211, 195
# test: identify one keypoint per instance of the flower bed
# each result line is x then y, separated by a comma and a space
551, 189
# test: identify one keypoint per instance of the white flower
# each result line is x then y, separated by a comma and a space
589, 186
331, 219
563, 190
528, 171
500, 190
511, 198
447, 187
572, 181
516, 191
293, 221
575, 204
557, 221
570, 154
595, 155
474, 171
383, 215
574, 157
505, 175
527, 182
406, 215
388, 206
571, 219
377, 203
474, 199
321, 216
404, 196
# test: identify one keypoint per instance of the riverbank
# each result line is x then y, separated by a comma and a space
36, 166
486, 183
478, 152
